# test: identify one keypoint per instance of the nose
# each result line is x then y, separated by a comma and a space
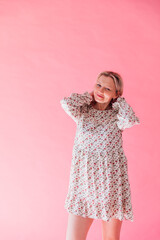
101, 91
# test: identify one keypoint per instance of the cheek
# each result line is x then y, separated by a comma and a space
95, 88
108, 96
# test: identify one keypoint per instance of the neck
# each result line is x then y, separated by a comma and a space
102, 106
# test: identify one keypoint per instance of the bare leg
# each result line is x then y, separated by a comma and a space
78, 227
111, 229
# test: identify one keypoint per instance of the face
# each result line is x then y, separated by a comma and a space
104, 90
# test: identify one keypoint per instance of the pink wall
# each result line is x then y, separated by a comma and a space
49, 49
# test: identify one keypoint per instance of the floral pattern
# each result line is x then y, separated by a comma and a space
99, 186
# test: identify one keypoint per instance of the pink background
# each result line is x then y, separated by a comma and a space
49, 49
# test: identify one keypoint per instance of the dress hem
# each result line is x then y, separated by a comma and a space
99, 218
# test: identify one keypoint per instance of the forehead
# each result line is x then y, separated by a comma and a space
106, 81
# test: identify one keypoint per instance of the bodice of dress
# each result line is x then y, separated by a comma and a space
95, 130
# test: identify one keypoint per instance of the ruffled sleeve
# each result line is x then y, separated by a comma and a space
72, 105
126, 115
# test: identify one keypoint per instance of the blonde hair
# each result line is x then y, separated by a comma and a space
118, 81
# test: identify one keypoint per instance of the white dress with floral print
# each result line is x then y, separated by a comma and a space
99, 186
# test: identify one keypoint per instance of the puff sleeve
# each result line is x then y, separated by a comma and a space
126, 115
72, 105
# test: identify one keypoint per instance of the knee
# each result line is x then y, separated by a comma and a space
71, 237
111, 238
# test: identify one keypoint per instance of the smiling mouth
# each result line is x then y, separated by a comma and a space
99, 96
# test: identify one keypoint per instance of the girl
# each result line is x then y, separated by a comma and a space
99, 186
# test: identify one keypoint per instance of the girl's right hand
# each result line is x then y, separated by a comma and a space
92, 94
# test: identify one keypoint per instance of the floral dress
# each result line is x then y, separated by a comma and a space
99, 186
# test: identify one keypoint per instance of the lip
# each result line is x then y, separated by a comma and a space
99, 95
